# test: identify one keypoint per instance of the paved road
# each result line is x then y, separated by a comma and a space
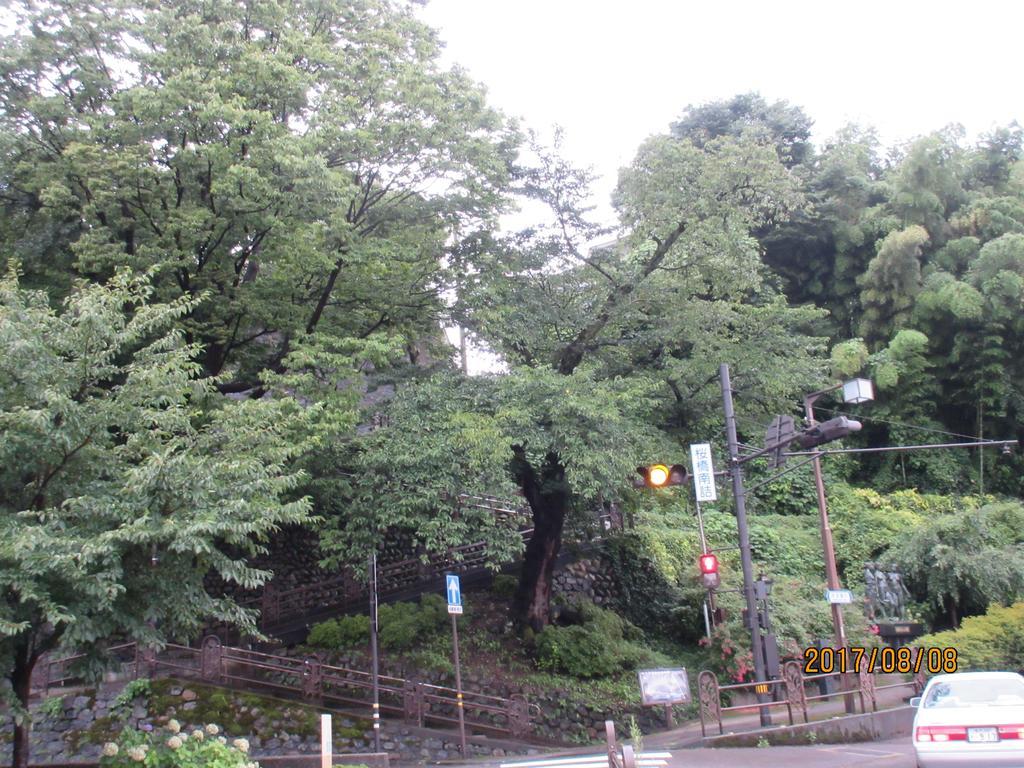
898, 753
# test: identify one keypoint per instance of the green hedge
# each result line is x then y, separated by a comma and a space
401, 626
994, 641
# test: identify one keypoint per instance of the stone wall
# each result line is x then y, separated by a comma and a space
588, 578
87, 714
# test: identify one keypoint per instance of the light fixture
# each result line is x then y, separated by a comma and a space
858, 391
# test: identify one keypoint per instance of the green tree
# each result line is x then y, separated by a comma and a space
125, 478
962, 562
657, 306
891, 283
303, 163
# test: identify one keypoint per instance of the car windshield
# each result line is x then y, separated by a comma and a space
972, 692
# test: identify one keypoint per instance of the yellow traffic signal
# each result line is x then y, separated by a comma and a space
661, 475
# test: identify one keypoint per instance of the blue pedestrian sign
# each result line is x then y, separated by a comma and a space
451, 585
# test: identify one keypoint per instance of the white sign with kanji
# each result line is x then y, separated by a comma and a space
703, 472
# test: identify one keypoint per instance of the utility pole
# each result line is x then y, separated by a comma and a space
746, 559
373, 652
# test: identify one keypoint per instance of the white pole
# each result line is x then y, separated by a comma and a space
326, 742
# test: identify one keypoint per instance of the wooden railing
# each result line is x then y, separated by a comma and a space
311, 679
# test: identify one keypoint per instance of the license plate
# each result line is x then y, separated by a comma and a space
982, 735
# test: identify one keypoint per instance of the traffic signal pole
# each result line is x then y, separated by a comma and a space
746, 558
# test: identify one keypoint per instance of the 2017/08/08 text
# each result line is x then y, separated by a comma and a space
932, 661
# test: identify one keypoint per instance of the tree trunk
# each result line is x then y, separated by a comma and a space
21, 682
548, 496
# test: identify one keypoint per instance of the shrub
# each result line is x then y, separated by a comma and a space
504, 586
341, 633
406, 625
993, 641
169, 748
597, 647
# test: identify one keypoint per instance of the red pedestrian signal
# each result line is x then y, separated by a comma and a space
709, 570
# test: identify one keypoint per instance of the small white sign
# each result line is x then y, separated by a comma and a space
841, 596
703, 472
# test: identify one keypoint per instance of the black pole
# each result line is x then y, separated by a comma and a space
746, 559
373, 652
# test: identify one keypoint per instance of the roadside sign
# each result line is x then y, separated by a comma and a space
454, 592
703, 472
841, 596
664, 686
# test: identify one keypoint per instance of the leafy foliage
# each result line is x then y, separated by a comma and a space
124, 478
601, 644
341, 633
963, 561
994, 640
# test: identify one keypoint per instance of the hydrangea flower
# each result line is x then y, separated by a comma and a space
109, 749
198, 735
174, 726
212, 729
138, 754
242, 745
222, 740
174, 742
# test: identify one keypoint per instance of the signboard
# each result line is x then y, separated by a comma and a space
842, 596
703, 472
664, 686
454, 592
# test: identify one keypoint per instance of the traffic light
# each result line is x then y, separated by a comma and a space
661, 475
827, 431
709, 570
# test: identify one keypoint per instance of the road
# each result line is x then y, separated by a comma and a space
897, 753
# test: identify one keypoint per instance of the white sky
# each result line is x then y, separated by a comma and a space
613, 73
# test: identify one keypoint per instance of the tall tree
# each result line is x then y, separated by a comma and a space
638, 307
303, 162
124, 478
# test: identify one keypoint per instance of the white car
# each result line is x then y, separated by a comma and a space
970, 719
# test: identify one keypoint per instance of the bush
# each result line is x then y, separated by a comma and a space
170, 748
504, 586
341, 633
994, 641
599, 646
405, 625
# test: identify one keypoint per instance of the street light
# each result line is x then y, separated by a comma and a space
854, 391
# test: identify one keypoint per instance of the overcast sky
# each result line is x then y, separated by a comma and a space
613, 73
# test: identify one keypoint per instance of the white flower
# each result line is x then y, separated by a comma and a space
242, 745
174, 726
222, 740
109, 749
197, 734
174, 742
138, 754
212, 729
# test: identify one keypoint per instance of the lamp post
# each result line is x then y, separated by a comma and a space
854, 391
